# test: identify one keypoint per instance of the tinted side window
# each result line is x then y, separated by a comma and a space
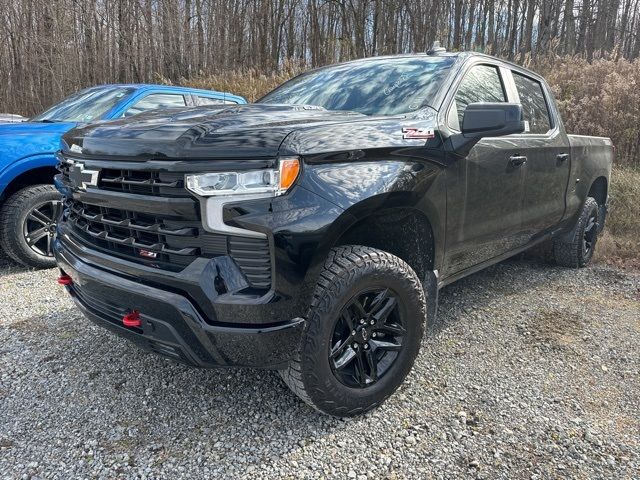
214, 101
480, 84
534, 105
154, 102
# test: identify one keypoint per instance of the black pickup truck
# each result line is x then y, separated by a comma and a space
311, 231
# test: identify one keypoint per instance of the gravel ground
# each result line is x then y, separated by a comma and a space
531, 372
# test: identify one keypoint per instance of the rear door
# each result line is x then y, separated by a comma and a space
545, 146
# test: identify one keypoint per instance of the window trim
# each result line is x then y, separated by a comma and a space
506, 69
450, 97
551, 105
543, 87
223, 100
154, 92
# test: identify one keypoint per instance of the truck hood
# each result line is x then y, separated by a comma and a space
243, 131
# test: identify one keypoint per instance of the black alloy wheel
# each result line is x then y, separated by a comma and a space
367, 338
363, 332
576, 249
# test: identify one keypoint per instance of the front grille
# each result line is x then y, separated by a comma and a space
142, 182
145, 183
169, 244
152, 229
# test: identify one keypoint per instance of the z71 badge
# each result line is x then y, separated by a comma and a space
415, 133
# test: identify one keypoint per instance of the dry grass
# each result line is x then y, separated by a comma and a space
598, 98
620, 242
251, 84
625, 203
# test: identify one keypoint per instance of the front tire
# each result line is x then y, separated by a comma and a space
363, 332
27, 225
578, 251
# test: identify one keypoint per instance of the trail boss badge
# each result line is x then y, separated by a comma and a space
415, 133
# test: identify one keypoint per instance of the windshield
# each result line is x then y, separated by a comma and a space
84, 106
387, 86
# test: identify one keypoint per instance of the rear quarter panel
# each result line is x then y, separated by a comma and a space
591, 158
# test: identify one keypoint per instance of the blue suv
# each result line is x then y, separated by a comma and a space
29, 204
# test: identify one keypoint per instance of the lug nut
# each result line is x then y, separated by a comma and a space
353, 332
372, 322
374, 334
361, 321
355, 346
366, 346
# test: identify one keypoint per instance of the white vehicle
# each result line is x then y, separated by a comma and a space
11, 118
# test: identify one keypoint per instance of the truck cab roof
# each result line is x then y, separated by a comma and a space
460, 57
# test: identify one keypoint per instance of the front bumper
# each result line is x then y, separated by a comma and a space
171, 324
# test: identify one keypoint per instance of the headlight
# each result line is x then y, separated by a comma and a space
273, 181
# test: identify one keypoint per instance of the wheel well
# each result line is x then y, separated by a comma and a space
30, 177
598, 190
403, 232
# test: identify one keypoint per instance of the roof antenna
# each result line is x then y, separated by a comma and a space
436, 48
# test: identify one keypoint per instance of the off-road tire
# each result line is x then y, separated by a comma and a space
347, 271
572, 253
12, 218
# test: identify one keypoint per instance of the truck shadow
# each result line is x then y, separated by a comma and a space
509, 277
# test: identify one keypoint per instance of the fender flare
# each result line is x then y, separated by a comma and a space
361, 211
568, 235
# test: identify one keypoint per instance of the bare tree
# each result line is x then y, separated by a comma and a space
49, 49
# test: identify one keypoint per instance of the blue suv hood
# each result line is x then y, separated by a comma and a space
35, 128
20, 140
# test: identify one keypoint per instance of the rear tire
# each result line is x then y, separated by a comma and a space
27, 225
578, 251
363, 332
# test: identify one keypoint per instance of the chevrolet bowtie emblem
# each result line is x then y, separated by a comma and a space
82, 178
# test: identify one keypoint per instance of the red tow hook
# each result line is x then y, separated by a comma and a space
132, 319
65, 280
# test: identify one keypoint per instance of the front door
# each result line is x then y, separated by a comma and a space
485, 189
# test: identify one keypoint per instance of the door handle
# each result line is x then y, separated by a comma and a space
517, 160
562, 157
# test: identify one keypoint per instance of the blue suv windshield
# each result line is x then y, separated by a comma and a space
385, 86
84, 106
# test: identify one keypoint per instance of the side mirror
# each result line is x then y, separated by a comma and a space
486, 120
